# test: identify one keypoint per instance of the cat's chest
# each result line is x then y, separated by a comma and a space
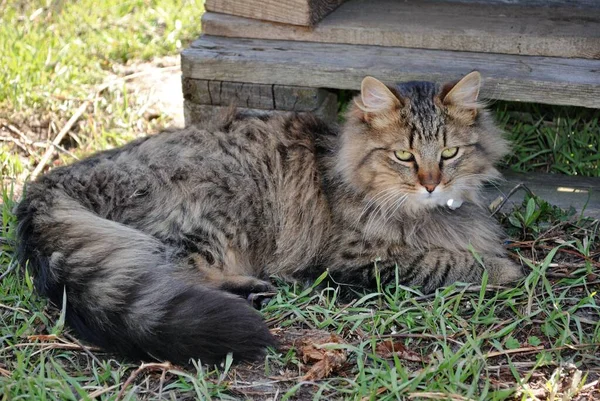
356, 247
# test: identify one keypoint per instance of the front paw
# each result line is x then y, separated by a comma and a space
502, 270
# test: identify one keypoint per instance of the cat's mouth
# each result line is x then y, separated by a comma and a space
437, 198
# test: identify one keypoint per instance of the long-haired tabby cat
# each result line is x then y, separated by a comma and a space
153, 243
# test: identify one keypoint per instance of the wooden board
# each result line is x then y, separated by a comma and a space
197, 113
541, 3
507, 77
582, 193
253, 96
489, 28
295, 12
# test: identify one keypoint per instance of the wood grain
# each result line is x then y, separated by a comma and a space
489, 28
196, 113
295, 12
253, 96
547, 80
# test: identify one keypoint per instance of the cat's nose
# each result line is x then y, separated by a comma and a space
430, 187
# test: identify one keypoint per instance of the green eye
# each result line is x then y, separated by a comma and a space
449, 153
404, 156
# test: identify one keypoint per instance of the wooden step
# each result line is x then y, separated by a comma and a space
490, 28
203, 99
341, 66
297, 12
581, 193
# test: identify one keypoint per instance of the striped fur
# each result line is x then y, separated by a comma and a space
148, 241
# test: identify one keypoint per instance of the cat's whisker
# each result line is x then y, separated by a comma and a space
373, 216
385, 199
398, 203
370, 203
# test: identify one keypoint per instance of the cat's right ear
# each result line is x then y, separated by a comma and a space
376, 97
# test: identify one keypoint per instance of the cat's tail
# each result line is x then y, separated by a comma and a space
126, 291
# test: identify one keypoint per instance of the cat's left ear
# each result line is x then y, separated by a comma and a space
462, 97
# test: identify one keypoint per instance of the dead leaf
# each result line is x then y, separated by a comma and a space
313, 349
388, 348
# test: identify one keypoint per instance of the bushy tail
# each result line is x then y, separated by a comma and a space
126, 291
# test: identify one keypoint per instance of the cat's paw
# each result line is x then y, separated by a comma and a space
244, 286
502, 270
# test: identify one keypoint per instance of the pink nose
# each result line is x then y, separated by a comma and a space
430, 187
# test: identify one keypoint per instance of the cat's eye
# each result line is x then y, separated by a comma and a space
404, 156
449, 153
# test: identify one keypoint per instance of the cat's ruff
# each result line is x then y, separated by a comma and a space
156, 244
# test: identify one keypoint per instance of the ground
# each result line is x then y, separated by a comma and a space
537, 340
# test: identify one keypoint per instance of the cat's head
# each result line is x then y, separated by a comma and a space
417, 145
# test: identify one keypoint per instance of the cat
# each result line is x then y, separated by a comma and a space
155, 244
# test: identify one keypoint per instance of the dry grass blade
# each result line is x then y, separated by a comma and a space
163, 366
438, 396
514, 351
99, 392
59, 137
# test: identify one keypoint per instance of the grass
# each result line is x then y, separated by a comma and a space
539, 340
552, 139
463, 342
55, 54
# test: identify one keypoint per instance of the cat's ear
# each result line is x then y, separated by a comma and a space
375, 96
464, 93
462, 97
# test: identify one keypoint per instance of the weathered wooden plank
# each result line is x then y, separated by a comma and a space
582, 193
256, 96
489, 28
507, 77
243, 94
197, 113
536, 3
295, 12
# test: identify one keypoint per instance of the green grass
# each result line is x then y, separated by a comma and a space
55, 54
52, 49
468, 342
539, 339
552, 139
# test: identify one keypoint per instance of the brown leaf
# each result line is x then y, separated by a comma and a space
388, 348
326, 361
332, 361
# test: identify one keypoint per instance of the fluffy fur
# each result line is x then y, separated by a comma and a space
151, 241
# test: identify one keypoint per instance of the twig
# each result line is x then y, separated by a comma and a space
511, 193
9, 269
527, 350
84, 348
12, 308
100, 391
161, 383
16, 142
19, 133
48, 346
144, 366
514, 351
59, 138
